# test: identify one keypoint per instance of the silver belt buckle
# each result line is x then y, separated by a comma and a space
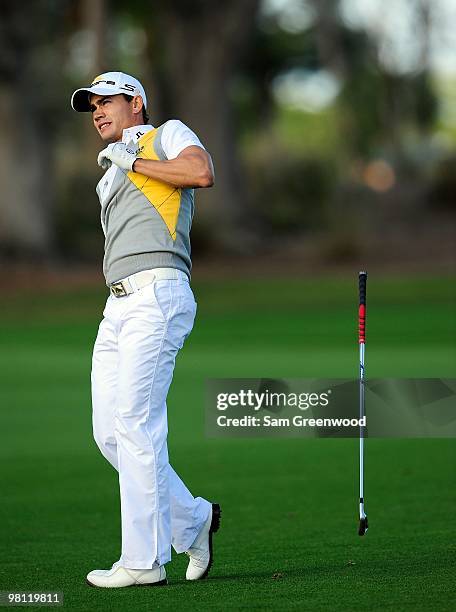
118, 290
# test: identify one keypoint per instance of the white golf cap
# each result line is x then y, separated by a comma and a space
107, 84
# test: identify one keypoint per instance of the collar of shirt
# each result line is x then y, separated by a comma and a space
135, 132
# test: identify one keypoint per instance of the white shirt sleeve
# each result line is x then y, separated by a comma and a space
176, 137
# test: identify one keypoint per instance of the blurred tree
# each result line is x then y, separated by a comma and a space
30, 75
197, 46
77, 212
92, 19
378, 104
271, 51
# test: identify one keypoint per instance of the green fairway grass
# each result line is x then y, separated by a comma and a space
288, 537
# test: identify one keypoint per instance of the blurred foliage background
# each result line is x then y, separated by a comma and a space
331, 123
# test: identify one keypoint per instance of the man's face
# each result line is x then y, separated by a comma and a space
112, 114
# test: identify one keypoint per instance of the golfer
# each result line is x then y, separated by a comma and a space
147, 202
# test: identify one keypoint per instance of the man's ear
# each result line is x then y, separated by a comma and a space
137, 104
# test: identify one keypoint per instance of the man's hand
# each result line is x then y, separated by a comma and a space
117, 154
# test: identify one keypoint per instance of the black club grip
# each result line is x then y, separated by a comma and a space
362, 308
362, 287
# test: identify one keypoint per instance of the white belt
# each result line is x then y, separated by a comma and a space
137, 281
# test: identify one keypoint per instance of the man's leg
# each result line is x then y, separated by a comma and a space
188, 514
155, 323
105, 364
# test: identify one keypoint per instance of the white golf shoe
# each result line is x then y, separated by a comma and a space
118, 576
200, 552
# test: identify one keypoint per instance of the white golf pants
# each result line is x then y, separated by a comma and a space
132, 368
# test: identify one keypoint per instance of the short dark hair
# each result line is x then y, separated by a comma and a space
144, 112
